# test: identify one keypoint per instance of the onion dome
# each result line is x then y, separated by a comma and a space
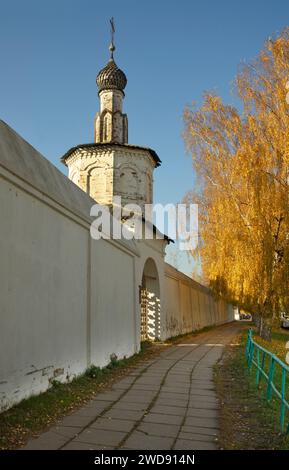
111, 77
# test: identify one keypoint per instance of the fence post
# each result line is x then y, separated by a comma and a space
270, 378
258, 367
263, 362
283, 388
249, 343
251, 355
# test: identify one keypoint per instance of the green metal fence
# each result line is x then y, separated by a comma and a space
266, 364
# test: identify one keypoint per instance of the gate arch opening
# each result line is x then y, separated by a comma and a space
150, 302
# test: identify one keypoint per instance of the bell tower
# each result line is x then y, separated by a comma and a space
110, 122
110, 166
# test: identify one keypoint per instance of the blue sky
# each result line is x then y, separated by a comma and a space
171, 51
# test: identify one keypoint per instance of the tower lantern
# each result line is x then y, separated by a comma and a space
110, 122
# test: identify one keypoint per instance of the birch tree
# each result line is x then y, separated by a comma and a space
241, 159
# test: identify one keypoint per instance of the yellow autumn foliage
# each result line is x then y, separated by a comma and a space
241, 160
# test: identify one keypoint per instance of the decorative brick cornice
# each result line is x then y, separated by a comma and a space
109, 146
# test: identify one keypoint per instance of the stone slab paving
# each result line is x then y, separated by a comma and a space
167, 403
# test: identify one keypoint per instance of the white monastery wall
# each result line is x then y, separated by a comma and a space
67, 301
190, 306
114, 303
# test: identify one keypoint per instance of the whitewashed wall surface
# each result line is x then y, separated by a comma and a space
67, 301
190, 306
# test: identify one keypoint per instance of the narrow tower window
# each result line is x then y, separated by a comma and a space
105, 128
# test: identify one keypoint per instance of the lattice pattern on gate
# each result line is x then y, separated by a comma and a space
144, 314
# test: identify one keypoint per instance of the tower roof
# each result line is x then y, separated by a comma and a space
96, 145
111, 77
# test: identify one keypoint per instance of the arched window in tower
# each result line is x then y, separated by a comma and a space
117, 127
96, 184
128, 181
106, 127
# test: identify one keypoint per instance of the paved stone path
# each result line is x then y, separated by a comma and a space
168, 402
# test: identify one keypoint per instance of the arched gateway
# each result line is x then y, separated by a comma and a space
150, 302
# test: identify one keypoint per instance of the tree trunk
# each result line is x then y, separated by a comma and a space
256, 320
265, 328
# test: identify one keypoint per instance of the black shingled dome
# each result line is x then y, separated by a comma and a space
111, 78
